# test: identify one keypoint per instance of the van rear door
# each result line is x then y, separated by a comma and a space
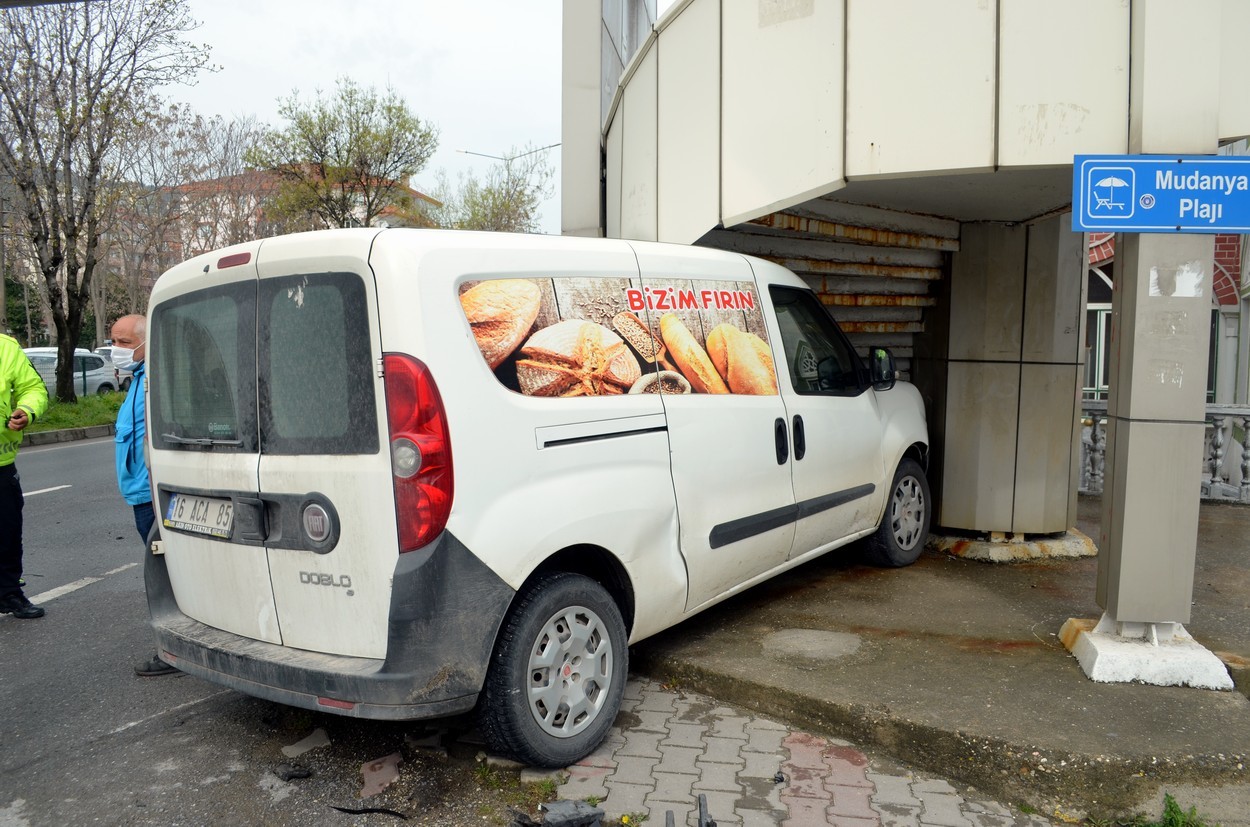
202, 427
275, 498
324, 476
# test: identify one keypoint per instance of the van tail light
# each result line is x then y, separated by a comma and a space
420, 451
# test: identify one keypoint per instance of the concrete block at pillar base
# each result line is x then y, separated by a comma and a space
1107, 657
1014, 548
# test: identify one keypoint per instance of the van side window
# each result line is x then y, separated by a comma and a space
204, 391
821, 360
316, 373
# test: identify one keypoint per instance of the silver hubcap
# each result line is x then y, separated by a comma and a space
570, 670
907, 512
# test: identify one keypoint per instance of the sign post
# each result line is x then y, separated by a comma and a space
1161, 193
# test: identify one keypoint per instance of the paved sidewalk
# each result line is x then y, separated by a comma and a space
669, 747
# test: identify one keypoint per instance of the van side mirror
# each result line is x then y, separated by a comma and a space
881, 368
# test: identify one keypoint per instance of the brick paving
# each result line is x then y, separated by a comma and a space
669, 747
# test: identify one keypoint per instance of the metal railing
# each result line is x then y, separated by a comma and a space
1225, 472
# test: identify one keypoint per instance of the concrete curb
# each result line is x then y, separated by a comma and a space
67, 435
1001, 767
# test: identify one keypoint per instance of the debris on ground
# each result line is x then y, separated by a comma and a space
565, 813
366, 810
316, 739
380, 774
288, 772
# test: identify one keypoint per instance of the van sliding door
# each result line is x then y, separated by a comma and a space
728, 439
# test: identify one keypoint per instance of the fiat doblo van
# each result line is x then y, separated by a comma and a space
407, 474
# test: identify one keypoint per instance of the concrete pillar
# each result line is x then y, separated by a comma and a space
1010, 385
1156, 409
1156, 415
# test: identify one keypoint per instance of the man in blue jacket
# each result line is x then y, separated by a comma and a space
129, 351
23, 397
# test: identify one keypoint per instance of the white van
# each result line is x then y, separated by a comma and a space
404, 474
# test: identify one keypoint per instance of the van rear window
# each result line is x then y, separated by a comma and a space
203, 378
315, 369
282, 367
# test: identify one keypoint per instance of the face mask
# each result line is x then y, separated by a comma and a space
124, 358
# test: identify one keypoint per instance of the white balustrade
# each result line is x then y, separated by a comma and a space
1225, 473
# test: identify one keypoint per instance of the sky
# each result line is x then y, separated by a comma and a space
486, 73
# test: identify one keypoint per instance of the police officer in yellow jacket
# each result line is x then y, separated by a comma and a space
23, 397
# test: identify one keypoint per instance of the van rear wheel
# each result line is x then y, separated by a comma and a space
905, 526
557, 674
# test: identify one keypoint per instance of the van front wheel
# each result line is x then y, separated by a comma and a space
557, 674
905, 525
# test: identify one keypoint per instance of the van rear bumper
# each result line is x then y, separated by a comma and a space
446, 609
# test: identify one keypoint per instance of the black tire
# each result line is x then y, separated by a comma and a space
103, 389
540, 671
905, 525
125, 384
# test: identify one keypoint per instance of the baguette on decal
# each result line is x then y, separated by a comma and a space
690, 357
743, 359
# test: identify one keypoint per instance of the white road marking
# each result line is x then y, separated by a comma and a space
61, 591
45, 490
125, 727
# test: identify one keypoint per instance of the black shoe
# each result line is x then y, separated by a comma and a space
153, 667
17, 605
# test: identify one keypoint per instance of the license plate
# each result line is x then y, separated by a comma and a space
200, 515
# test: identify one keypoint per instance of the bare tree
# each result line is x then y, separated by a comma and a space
139, 211
507, 201
77, 77
223, 201
347, 158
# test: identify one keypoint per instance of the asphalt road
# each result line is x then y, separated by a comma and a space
85, 741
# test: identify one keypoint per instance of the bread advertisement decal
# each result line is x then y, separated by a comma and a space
587, 336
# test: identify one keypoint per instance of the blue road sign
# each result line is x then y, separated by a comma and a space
1161, 193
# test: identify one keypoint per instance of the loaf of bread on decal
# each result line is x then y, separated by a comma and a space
501, 313
576, 358
743, 359
689, 356
636, 332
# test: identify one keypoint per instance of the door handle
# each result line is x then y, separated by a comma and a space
783, 444
800, 439
249, 519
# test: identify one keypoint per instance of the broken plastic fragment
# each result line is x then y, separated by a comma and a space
379, 774
288, 772
318, 738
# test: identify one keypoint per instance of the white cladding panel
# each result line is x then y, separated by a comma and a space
1175, 77
1047, 116
1234, 102
638, 157
580, 121
920, 86
782, 104
612, 192
689, 124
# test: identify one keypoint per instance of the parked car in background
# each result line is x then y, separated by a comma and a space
93, 373
124, 377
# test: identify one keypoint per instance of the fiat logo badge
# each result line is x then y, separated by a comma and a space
316, 522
